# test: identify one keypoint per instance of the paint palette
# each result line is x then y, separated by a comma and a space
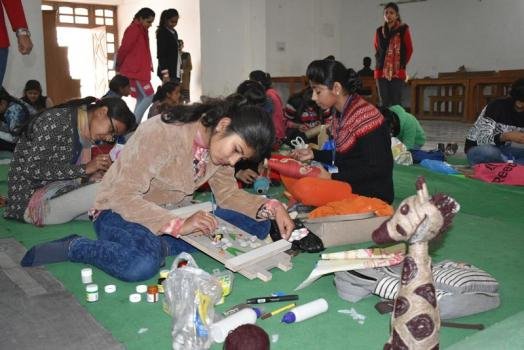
238, 250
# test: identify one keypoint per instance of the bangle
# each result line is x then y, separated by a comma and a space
23, 31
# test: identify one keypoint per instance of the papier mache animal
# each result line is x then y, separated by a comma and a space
415, 320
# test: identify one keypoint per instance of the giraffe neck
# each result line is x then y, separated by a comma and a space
415, 321
419, 252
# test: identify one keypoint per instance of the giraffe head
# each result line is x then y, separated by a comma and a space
418, 218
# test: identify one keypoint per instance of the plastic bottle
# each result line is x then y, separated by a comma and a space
87, 275
219, 330
303, 312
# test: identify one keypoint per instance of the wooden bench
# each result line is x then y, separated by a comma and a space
459, 96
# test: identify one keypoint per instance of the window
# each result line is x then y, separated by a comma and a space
88, 16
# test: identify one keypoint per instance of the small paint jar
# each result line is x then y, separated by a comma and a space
163, 276
87, 275
152, 294
92, 293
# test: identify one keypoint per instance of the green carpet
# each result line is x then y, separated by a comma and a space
487, 233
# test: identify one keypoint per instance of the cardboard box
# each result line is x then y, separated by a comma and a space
345, 229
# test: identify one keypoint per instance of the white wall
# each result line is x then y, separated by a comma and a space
188, 29
233, 43
480, 34
309, 30
22, 68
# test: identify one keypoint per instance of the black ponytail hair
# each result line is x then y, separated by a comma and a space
253, 91
391, 119
118, 82
165, 16
165, 89
517, 90
327, 72
262, 77
144, 13
116, 109
249, 121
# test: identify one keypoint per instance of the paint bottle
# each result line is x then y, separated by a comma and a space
218, 331
152, 294
162, 277
92, 293
87, 275
303, 312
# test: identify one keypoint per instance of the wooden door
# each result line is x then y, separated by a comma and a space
60, 86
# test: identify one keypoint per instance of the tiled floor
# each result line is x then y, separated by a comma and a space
444, 132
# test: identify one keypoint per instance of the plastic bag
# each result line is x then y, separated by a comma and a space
190, 296
401, 155
439, 167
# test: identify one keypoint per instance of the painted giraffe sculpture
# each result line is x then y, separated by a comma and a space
415, 320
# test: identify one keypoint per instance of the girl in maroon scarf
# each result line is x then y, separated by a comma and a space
393, 49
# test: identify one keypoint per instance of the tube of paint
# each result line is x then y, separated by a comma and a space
303, 312
219, 330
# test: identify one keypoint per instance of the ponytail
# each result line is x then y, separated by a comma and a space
262, 77
250, 122
327, 72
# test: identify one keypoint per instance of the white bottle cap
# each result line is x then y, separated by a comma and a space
91, 288
135, 298
141, 288
110, 288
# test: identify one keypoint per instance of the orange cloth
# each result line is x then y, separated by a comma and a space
315, 191
354, 205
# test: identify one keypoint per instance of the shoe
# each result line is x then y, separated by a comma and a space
310, 243
451, 149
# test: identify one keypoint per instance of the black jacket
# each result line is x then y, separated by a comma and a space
167, 51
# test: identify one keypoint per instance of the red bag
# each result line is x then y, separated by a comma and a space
292, 168
501, 173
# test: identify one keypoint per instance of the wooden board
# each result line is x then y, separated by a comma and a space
337, 218
238, 250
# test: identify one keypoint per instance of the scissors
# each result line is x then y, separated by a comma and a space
299, 143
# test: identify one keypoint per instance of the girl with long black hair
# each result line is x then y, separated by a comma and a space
52, 161
160, 168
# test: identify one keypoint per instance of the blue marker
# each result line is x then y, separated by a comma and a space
306, 311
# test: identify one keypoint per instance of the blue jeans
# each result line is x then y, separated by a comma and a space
4, 51
125, 250
495, 154
143, 101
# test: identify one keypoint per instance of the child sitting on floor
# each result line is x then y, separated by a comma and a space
52, 160
165, 161
119, 87
167, 96
33, 96
14, 114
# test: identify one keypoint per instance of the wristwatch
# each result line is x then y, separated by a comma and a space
23, 31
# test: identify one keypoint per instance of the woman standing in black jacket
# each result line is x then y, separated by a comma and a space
167, 46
